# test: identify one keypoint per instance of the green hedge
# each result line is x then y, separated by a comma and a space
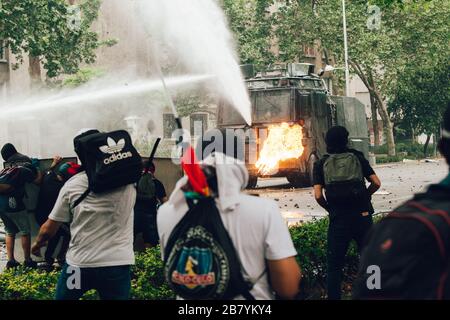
310, 239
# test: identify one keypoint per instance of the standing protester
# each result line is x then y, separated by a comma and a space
52, 182
407, 255
20, 170
340, 176
197, 232
150, 195
98, 203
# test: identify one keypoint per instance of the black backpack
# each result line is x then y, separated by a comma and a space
8, 179
411, 248
110, 161
200, 259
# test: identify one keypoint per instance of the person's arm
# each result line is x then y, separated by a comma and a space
285, 277
161, 192
318, 195
47, 231
59, 215
375, 184
56, 160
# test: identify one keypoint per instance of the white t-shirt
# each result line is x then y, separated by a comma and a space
101, 225
258, 233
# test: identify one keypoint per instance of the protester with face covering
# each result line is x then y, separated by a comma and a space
13, 211
259, 234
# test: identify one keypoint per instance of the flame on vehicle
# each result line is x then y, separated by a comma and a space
283, 142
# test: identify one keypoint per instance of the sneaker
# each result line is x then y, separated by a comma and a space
12, 264
47, 266
30, 264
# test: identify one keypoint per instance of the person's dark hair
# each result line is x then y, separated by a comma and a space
226, 141
444, 144
8, 151
336, 139
76, 143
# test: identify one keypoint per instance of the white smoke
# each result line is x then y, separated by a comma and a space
196, 33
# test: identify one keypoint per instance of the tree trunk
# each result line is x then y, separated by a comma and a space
425, 147
376, 129
388, 126
34, 71
413, 135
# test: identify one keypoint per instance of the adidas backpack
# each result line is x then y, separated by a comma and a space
110, 161
200, 261
344, 179
410, 248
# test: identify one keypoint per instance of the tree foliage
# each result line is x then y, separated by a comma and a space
252, 23
56, 33
386, 39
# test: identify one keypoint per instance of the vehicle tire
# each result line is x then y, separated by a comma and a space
252, 181
298, 180
303, 180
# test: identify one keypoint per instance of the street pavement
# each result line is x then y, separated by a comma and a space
399, 182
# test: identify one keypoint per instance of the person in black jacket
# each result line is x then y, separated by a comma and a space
52, 182
350, 219
13, 212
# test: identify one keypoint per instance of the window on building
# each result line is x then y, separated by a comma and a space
309, 52
169, 125
199, 124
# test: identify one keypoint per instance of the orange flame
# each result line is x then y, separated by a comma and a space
283, 142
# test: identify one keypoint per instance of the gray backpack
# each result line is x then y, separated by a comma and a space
344, 180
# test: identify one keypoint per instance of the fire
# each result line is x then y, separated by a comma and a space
283, 142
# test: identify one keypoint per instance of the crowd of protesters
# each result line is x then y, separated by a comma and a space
195, 226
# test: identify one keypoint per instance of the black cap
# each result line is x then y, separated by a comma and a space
8, 151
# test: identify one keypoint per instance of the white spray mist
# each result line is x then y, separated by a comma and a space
196, 33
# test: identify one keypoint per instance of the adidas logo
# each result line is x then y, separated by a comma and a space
114, 148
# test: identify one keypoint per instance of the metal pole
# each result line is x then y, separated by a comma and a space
347, 74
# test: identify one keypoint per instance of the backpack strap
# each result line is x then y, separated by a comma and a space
81, 198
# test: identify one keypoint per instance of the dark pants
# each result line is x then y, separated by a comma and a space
146, 223
111, 283
341, 231
63, 234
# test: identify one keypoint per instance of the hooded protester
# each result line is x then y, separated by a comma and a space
261, 238
13, 212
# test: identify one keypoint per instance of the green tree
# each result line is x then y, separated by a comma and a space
52, 33
382, 40
252, 24
421, 97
